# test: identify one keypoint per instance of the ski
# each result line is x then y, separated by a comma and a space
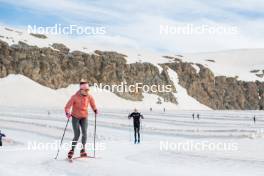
70, 160
79, 157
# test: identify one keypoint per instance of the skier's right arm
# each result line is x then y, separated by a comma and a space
68, 107
2, 135
129, 116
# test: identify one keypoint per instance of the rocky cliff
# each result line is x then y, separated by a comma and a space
56, 67
218, 92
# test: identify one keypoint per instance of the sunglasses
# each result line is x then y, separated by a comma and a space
86, 90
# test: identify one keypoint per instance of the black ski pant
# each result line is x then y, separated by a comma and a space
1, 144
137, 133
76, 124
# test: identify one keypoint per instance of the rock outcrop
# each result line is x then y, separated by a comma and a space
57, 68
218, 92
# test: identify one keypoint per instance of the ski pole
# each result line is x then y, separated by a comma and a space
62, 139
129, 127
141, 129
94, 132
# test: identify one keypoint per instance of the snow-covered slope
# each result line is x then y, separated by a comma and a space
18, 90
231, 62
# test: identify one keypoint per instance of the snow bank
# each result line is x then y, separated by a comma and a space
20, 91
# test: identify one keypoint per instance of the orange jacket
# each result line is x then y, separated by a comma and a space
77, 106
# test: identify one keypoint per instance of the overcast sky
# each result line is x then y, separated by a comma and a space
136, 24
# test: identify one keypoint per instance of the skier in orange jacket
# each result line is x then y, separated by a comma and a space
77, 109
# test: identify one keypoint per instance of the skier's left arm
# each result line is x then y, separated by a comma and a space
141, 116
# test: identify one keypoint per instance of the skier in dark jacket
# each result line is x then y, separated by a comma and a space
136, 121
1, 135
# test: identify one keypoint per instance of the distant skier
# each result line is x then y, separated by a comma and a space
254, 119
198, 116
1, 135
136, 121
164, 109
193, 116
77, 109
150, 109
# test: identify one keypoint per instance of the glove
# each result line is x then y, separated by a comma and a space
95, 111
68, 115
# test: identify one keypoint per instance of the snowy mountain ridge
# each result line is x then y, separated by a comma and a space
198, 77
238, 62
